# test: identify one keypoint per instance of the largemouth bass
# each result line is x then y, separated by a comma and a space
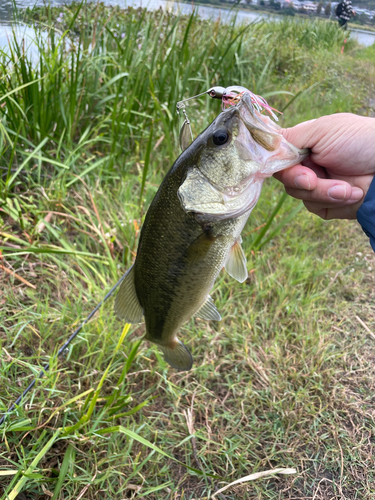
193, 226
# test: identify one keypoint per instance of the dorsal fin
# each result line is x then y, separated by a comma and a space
127, 305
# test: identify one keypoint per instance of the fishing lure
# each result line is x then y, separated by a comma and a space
229, 96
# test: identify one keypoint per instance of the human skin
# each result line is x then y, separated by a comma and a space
334, 179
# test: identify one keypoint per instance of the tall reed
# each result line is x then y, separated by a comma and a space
105, 76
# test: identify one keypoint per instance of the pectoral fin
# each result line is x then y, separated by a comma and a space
199, 249
236, 263
208, 311
127, 305
177, 355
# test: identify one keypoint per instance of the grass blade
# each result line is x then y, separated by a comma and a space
21, 483
264, 230
63, 471
146, 164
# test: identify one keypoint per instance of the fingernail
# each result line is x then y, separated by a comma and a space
357, 194
302, 181
337, 192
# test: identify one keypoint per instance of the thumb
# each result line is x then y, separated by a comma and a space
303, 135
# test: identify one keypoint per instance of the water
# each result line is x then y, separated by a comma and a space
364, 37
6, 17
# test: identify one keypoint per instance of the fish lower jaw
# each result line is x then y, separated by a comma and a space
236, 206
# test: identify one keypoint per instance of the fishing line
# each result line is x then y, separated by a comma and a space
180, 106
228, 96
62, 349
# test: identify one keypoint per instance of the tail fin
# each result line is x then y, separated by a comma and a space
177, 355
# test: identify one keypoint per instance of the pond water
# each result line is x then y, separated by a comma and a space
6, 16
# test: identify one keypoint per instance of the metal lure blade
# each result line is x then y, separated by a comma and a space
186, 135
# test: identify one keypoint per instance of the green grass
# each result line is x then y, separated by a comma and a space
284, 380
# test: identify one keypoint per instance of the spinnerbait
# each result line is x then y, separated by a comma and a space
229, 96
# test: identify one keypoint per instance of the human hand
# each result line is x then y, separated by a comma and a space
334, 179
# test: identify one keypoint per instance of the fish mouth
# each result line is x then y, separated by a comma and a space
259, 150
267, 145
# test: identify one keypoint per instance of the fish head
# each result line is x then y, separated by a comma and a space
232, 157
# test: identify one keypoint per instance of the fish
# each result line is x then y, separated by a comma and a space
192, 229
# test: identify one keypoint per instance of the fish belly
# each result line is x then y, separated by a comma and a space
178, 274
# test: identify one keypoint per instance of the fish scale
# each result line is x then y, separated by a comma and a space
193, 226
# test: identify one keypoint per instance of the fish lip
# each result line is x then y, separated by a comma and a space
253, 189
226, 115
245, 105
245, 102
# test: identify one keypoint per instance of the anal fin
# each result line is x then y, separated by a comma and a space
236, 263
127, 305
177, 355
208, 311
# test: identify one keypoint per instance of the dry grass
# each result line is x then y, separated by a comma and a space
286, 379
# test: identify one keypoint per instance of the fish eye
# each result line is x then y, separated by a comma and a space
220, 136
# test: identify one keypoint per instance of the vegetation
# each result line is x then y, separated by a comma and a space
328, 9
285, 380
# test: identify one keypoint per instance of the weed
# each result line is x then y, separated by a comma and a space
286, 379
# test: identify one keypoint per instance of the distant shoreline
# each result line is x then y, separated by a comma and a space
250, 8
